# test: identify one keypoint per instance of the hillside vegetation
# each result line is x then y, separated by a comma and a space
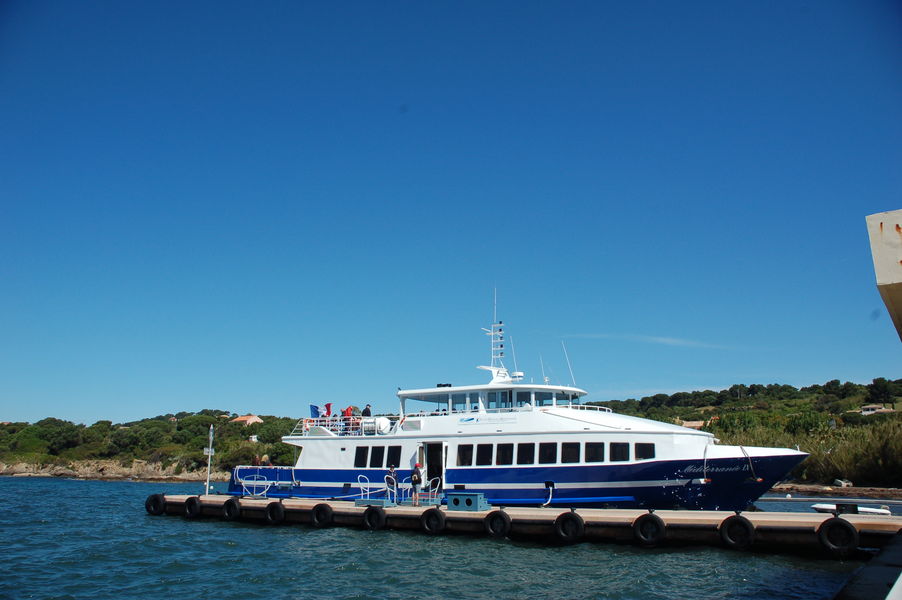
823, 420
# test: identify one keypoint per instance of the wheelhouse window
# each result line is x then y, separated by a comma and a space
377, 456
505, 454
645, 451
594, 452
459, 402
500, 399
360, 456
570, 452
544, 398
547, 453
484, 454
465, 455
620, 451
563, 398
394, 456
523, 398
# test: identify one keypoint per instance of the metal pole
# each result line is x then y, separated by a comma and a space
209, 461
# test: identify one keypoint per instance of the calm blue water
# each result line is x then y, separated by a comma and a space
93, 539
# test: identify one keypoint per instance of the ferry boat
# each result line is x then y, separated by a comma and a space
518, 444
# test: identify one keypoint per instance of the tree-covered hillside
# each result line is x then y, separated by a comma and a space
168, 439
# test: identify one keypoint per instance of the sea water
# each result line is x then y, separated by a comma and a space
93, 539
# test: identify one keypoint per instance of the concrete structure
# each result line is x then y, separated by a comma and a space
885, 231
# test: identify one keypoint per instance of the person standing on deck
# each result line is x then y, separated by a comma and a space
416, 478
367, 411
391, 483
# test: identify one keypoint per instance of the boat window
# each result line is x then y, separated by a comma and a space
377, 456
547, 453
500, 399
620, 451
474, 401
564, 398
544, 398
411, 425
523, 398
394, 455
570, 452
459, 402
526, 454
483, 454
505, 454
360, 456
645, 451
465, 455
594, 452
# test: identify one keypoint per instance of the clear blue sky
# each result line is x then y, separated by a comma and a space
258, 206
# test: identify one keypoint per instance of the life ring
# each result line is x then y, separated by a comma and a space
433, 521
374, 518
155, 504
231, 510
569, 527
307, 424
275, 513
192, 507
648, 530
838, 536
737, 533
321, 515
497, 524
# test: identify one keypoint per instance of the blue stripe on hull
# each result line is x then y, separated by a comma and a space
732, 485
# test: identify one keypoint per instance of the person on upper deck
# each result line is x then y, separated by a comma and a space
367, 411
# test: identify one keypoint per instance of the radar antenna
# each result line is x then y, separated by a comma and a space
500, 374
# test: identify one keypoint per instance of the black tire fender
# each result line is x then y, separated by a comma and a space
569, 527
497, 524
192, 507
231, 509
321, 515
275, 513
737, 532
838, 536
648, 530
433, 521
155, 504
374, 518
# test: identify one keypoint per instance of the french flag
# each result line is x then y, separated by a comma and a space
321, 411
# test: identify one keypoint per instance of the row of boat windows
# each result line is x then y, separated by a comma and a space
570, 452
376, 457
498, 399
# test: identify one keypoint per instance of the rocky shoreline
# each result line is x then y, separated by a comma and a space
112, 470
805, 490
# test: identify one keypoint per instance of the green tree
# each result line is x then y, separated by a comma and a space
879, 391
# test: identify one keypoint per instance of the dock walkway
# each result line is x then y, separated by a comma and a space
835, 535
